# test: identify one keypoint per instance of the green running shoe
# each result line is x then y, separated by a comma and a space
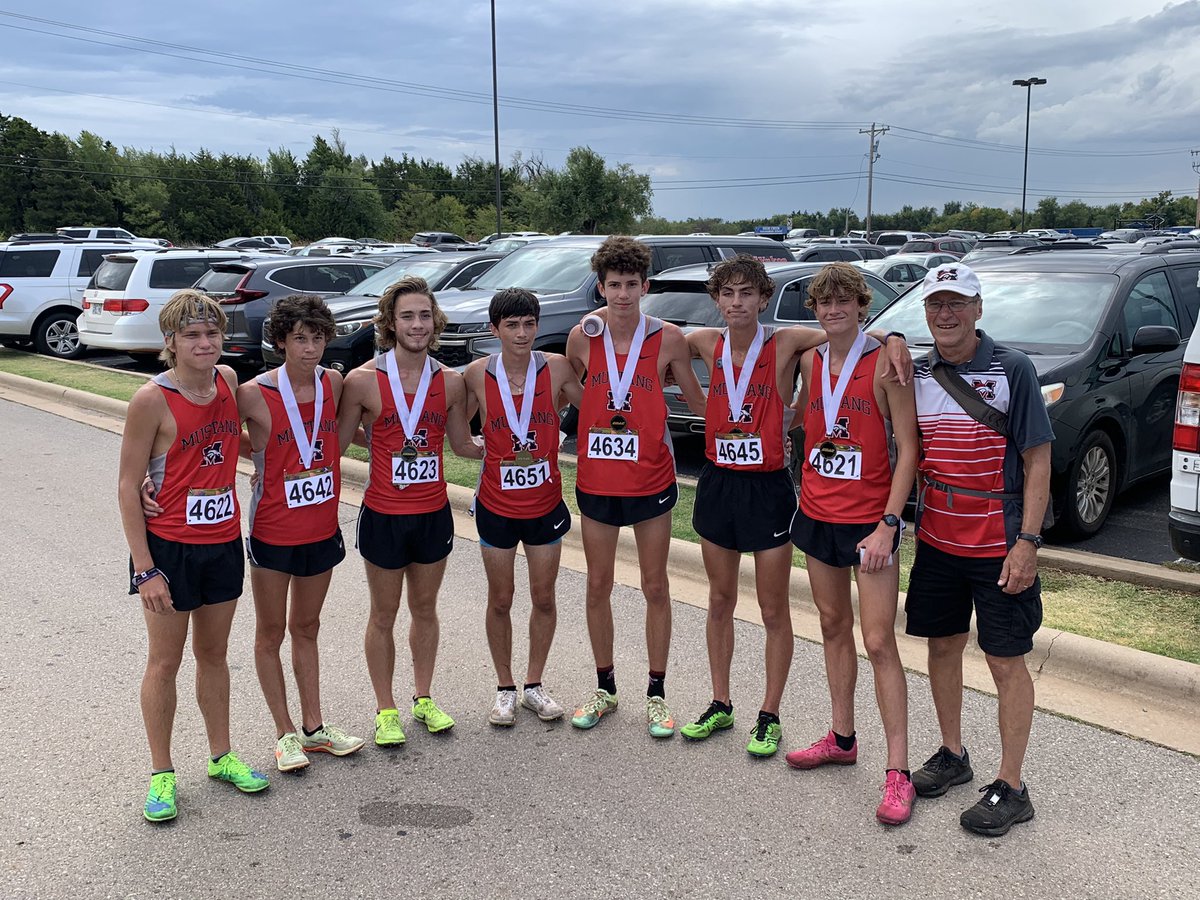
160, 799
425, 710
241, 776
658, 718
764, 739
596, 706
712, 719
388, 732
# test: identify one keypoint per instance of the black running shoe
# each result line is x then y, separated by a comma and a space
1001, 808
941, 772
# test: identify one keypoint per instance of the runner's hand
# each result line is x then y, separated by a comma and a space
876, 547
150, 508
1019, 569
156, 595
898, 363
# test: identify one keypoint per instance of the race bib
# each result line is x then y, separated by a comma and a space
845, 463
739, 449
209, 506
605, 444
308, 488
423, 468
514, 477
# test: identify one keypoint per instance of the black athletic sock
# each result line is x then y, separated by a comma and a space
217, 759
843, 742
532, 684
308, 733
726, 708
657, 687
507, 687
161, 771
770, 717
606, 680
417, 699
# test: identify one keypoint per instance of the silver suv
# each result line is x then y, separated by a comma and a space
41, 291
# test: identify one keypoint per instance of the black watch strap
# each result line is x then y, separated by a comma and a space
1035, 539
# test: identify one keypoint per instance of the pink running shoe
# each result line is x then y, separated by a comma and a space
898, 795
823, 752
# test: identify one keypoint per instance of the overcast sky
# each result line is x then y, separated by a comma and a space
735, 109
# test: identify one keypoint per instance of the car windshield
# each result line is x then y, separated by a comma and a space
1038, 312
543, 270
375, 285
682, 304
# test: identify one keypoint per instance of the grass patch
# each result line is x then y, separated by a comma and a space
117, 385
1157, 621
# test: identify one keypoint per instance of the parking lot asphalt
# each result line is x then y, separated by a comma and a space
536, 811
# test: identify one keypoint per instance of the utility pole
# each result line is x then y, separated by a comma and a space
1196, 169
872, 155
496, 121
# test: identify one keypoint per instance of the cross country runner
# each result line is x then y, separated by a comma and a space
295, 541
745, 496
851, 497
186, 564
626, 470
408, 403
518, 393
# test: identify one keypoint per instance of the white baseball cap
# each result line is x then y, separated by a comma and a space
951, 277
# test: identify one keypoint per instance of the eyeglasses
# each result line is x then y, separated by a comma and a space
955, 306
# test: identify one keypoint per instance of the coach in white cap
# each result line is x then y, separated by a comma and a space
984, 481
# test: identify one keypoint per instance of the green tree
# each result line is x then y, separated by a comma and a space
346, 204
587, 196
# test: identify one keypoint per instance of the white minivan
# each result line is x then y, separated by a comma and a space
1183, 522
123, 299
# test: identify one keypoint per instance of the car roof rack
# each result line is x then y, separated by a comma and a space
1172, 247
1058, 246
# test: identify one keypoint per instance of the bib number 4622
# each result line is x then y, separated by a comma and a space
206, 507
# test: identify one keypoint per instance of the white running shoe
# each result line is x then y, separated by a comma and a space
537, 700
504, 711
289, 754
331, 739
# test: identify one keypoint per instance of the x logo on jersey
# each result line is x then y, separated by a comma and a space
627, 406
529, 444
418, 440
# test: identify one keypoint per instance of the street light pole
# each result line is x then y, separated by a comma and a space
1196, 169
1028, 84
496, 120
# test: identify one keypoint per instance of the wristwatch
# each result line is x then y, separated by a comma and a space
1035, 539
892, 521
892, 334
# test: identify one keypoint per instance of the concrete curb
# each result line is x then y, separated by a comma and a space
1127, 690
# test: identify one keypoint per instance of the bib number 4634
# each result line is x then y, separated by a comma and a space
613, 446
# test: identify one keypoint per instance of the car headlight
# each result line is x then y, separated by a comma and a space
341, 329
1051, 393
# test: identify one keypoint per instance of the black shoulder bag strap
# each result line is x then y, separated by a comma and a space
968, 398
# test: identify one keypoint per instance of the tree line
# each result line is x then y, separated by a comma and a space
49, 180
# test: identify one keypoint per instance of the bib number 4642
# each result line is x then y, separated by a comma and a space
308, 488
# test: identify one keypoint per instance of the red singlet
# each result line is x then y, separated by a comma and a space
195, 478
417, 463
633, 459
753, 440
852, 485
505, 488
292, 505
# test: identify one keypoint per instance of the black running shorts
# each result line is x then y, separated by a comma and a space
833, 543
620, 511
301, 560
744, 511
392, 542
198, 574
504, 533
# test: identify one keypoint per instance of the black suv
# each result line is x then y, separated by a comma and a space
249, 288
1103, 330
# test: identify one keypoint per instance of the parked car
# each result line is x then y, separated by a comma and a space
892, 241
509, 244
955, 246
680, 296
803, 233
815, 252
41, 291
247, 243
560, 273
1046, 234
899, 273
998, 245
249, 287
1128, 235
1183, 522
354, 339
275, 240
126, 293
1103, 331
108, 233
928, 260
443, 240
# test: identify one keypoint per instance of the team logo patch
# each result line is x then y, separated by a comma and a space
947, 275
318, 449
419, 440
986, 389
530, 443
212, 455
841, 428
626, 406
746, 416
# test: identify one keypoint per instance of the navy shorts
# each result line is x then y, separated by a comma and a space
744, 511
393, 542
833, 543
619, 511
301, 560
504, 532
944, 588
198, 574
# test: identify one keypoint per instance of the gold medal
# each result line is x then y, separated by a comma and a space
524, 458
409, 453
618, 423
828, 449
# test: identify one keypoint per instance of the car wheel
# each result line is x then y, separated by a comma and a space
1091, 486
57, 335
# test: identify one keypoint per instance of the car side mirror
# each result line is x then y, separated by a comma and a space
1155, 339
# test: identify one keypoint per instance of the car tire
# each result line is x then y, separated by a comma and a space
1091, 487
57, 335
